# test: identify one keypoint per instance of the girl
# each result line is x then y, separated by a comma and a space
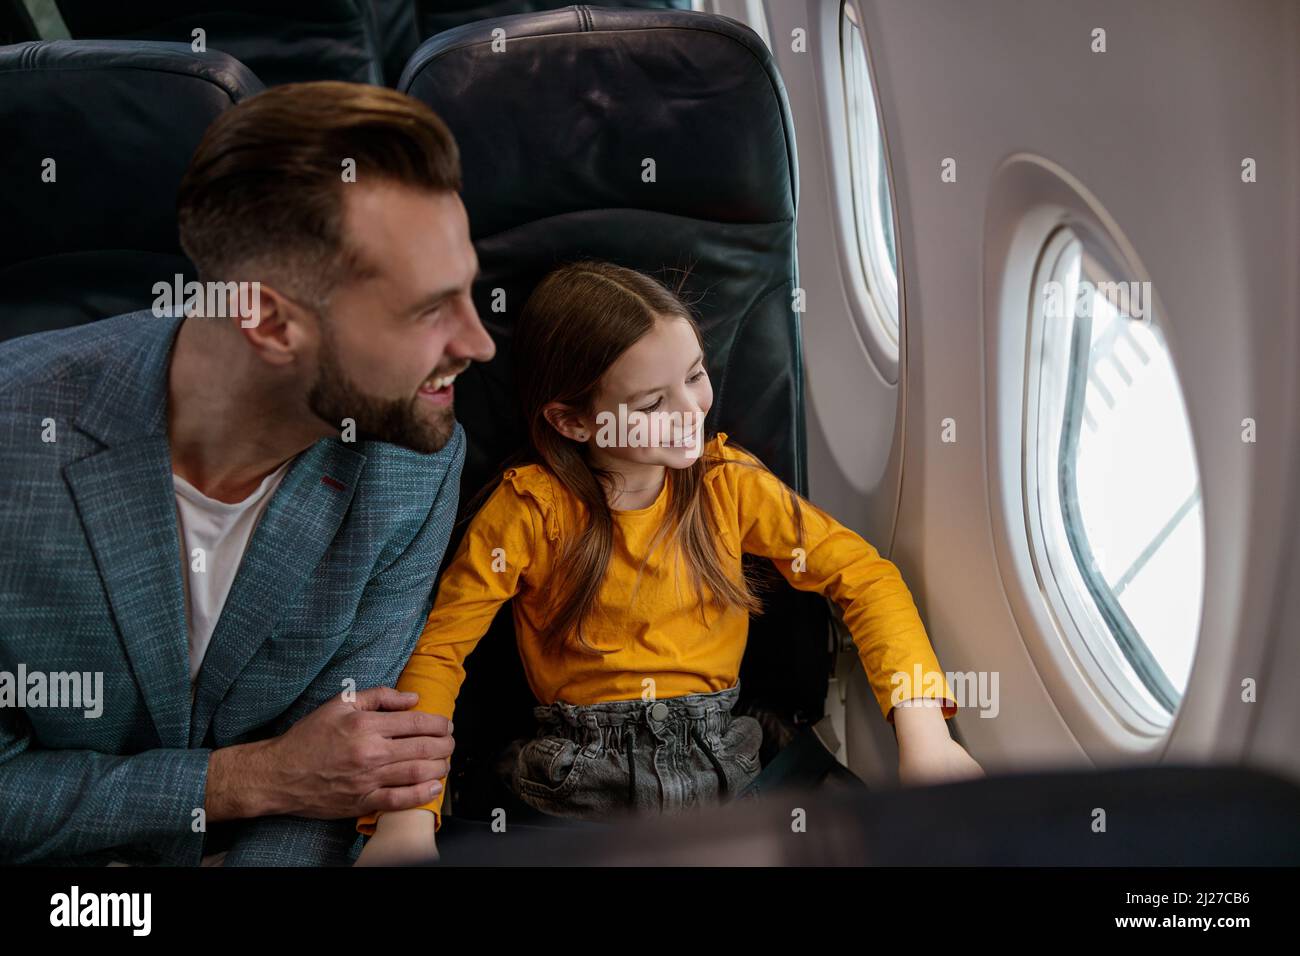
620, 546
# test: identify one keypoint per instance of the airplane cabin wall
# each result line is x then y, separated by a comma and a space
1153, 131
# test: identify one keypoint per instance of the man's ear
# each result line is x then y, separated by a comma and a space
277, 328
567, 421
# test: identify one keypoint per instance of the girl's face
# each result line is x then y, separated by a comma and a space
649, 408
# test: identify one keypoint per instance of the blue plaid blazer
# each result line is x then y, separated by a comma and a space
334, 587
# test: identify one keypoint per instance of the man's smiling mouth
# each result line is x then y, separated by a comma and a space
439, 388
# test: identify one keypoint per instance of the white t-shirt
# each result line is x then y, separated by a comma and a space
214, 536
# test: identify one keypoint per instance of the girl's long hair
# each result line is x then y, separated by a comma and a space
574, 326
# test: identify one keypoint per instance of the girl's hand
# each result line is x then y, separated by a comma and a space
926, 751
938, 761
404, 838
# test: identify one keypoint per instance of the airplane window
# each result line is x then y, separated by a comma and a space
873, 211
1111, 473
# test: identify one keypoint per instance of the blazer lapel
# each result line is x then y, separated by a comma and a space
125, 499
301, 520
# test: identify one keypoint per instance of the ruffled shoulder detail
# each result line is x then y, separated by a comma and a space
535, 482
718, 452
714, 449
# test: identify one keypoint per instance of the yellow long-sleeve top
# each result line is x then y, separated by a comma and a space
510, 551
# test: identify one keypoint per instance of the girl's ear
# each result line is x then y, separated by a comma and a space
566, 421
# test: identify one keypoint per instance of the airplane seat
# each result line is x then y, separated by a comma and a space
435, 16
99, 132
404, 23
398, 34
677, 153
16, 23
281, 41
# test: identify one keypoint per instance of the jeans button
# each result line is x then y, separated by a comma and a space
659, 711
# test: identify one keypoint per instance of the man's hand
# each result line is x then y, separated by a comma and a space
344, 759
405, 838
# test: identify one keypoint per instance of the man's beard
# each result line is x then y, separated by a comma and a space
394, 420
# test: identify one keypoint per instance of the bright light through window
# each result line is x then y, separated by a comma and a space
873, 212
1117, 489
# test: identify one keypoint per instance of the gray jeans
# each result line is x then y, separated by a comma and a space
601, 761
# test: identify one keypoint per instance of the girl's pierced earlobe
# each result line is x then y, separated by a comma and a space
582, 436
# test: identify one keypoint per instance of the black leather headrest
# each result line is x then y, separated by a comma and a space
281, 41
553, 134
438, 15
120, 120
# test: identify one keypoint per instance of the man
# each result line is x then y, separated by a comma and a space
234, 523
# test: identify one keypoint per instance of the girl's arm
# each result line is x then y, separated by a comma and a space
486, 571
879, 612
926, 751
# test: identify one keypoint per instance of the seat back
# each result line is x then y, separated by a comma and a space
16, 23
281, 41
97, 137
438, 15
404, 23
555, 133
399, 34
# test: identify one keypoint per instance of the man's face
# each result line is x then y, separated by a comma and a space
394, 339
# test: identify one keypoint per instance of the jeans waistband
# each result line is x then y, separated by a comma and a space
588, 722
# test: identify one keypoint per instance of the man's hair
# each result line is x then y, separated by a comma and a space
263, 195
